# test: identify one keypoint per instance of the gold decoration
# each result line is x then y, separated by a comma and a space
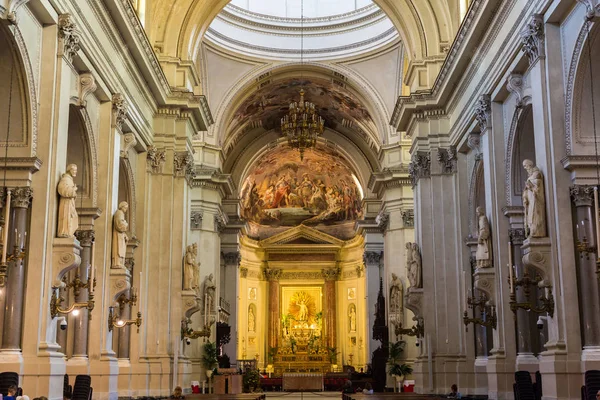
303, 308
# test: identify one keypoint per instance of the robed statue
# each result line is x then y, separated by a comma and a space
396, 294
119, 236
209, 294
534, 201
68, 221
483, 255
190, 281
413, 264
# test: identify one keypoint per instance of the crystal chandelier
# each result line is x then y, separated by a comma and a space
302, 124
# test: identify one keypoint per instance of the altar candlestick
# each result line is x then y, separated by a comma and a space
597, 218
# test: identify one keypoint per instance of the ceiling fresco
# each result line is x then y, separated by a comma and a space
281, 191
271, 102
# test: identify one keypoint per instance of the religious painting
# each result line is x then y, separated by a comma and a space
301, 305
351, 293
283, 191
252, 293
352, 318
271, 102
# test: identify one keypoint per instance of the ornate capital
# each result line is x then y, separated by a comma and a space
219, 223
419, 167
447, 159
232, 258
196, 220
514, 84
86, 84
373, 258
85, 237
383, 220
243, 272
181, 159
483, 112
532, 38
21, 196
582, 195
69, 36
408, 218
119, 107
155, 159
330, 274
272, 274
127, 142
516, 236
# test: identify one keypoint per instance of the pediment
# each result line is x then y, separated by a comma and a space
301, 235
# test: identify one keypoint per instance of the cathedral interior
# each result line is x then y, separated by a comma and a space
402, 193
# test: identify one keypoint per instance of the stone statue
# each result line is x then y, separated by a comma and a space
413, 264
303, 312
68, 221
119, 237
189, 269
352, 318
534, 201
251, 320
483, 255
396, 294
209, 294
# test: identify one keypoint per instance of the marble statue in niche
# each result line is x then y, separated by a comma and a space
352, 318
396, 294
119, 237
483, 255
190, 271
251, 320
68, 221
534, 201
413, 264
209, 294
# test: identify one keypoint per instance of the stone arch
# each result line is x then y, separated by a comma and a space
578, 93
15, 58
520, 146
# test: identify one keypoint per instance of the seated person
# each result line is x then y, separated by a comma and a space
177, 393
368, 389
12, 393
347, 387
454, 394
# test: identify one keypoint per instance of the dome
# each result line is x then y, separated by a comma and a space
292, 8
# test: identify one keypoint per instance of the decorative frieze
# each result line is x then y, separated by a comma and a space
196, 220
516, 236
582, 195
301, 275
272, 274
21, 197
85, 237
532, 38
86, 84
408, 218
232, 258
372, 258
155, 159
447, 159
330, 274
119, 108
483, 112
419, 167
69, 36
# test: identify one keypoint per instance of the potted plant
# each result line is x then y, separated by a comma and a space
397, 369
209, 358
251, 380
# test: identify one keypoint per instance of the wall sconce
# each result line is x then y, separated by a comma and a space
77, 284
417, 330
117, 322
546, 300
584, 248
188, 332
489, 318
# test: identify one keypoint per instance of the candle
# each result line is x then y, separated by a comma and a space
139, 299
510, 250
597, 218
510, 279
5, 232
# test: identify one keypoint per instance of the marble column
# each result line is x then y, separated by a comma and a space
583, 197
80, 322
230, 292
15, 286
372, 260
330, 276
273, 276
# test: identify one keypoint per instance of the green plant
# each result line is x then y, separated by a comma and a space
400, 370
250, 380
272, 353
209, 358
332, 354
395, 351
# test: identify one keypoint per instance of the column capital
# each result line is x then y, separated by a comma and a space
330, 274
383, 221
120, 110
86, 84
582, 195
514, 84
532, 38
155, 159
183, 165
373, 258
21, 196
243, 272
516, 235
419, 167
69, 36
85, 237
196, 220
272, 274
447, 159
483, 112
232, 258
220, 223
408, 218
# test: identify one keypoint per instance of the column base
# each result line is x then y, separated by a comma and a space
527, 362
481, 379
500, 376
561, 373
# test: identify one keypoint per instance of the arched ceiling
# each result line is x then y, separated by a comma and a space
427, 28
